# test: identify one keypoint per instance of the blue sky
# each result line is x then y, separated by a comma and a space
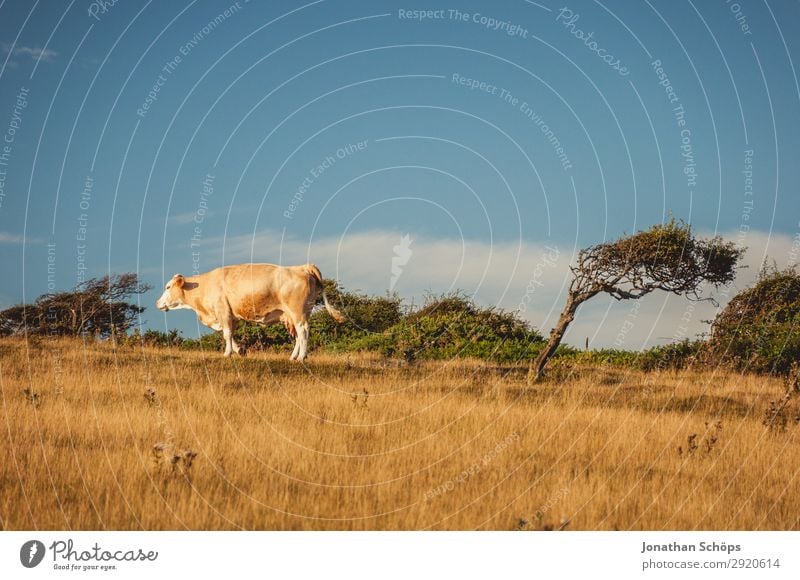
212, 133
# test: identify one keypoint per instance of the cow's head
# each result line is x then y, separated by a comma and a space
173, 296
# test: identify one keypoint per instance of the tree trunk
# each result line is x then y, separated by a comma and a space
567, 316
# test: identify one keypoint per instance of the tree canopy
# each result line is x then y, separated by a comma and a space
97, 306
665, 257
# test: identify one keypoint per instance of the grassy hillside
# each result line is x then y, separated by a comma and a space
128, 438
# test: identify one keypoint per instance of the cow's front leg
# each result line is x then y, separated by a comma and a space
228, 323
230, 343
233, 324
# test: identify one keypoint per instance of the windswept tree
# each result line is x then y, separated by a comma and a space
97, 306
665, 257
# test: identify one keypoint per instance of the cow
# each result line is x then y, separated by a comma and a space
262, 293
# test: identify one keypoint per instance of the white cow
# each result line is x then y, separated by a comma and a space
263, 293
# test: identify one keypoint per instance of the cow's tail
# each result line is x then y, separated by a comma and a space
314, 272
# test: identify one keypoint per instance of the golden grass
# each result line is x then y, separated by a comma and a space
97, 437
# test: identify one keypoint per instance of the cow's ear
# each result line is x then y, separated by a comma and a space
179, 280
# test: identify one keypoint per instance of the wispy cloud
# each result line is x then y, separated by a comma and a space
9, 238
187, 218
527, 277
34, 53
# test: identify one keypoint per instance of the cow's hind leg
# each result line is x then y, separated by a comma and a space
301, 327
227, 334
302, 340
296, 350
237, 348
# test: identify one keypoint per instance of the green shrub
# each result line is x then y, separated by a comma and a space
249, 335
452, 326
672, 356
364, 315
253, 336
152, 337
158, 338
609, 356
759, 329
212, 341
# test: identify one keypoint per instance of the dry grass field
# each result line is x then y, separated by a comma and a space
97, 437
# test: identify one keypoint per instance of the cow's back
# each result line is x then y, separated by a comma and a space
255, 290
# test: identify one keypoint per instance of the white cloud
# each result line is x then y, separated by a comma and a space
8, 238
186, 218
529, 277
34, 53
